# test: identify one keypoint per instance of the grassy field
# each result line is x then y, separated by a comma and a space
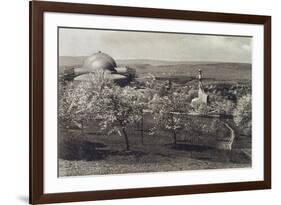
95, 153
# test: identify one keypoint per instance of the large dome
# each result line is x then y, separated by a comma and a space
100, 61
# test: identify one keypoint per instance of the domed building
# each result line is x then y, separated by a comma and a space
101, 62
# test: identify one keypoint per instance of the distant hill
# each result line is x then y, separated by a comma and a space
159, 68
71, 60
78, 60
219, 71
157, 62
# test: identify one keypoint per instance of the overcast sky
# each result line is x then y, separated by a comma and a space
158, 46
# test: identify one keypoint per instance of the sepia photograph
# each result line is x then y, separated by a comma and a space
145, 101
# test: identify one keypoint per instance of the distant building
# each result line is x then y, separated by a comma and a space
202, 96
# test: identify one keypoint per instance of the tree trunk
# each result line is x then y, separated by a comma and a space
175, 137
126, 138
174, 131
142, 129
82, 129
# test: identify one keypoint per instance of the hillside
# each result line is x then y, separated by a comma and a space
78, 60
213, 70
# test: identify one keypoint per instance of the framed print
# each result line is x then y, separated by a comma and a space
139, 102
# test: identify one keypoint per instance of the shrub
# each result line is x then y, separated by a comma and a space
243, 114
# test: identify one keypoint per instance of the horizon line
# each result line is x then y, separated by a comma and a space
165, 60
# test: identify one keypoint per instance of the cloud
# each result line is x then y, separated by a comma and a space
149, 45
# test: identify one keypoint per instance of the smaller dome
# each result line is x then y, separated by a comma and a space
100, 61
87, 77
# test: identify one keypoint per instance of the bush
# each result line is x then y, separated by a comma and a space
243, 114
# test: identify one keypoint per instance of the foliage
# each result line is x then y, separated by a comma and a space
168, 112
99, 81
192, 94
243, 113
150, 82
112, 106
217, 104
73, 104
116, 107
221, 105
200, 107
